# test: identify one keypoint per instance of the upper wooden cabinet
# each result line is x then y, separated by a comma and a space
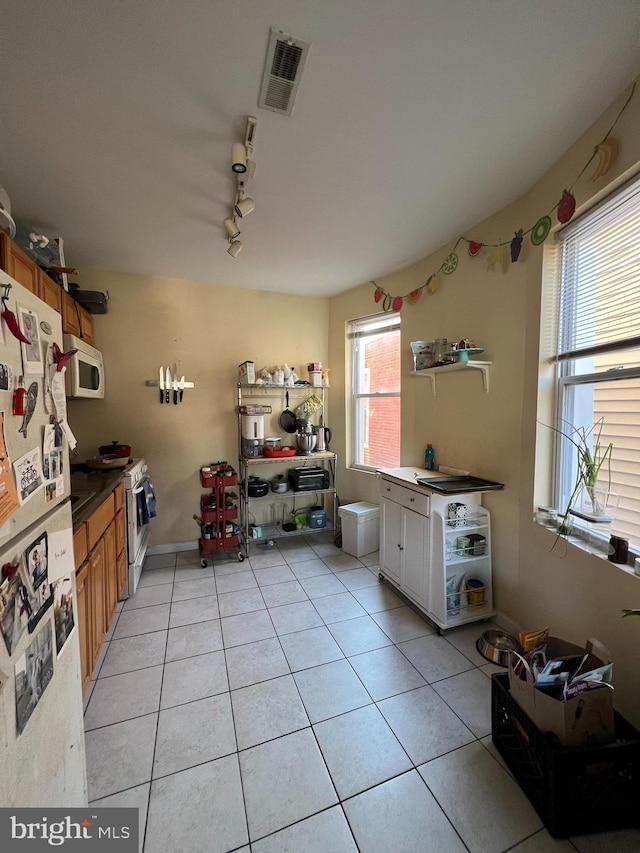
76, 320
49, 291
18, 264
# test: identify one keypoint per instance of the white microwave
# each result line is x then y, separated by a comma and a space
85, 371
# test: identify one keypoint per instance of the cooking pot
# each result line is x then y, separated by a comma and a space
257, 487
279, 484
115, 449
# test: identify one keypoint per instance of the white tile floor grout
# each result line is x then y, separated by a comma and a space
292, 702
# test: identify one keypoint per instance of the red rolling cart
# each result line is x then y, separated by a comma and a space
219, 513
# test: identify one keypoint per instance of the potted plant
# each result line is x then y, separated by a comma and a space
590, 457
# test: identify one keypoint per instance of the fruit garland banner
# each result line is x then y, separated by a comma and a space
607, 153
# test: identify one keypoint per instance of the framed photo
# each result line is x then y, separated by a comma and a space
15, 611
32, 362
36, 557
63, 619
33, 672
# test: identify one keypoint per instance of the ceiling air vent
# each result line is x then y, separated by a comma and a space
282, 71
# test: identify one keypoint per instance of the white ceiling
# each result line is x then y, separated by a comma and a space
413, 121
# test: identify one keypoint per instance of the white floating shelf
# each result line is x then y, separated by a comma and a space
430, 372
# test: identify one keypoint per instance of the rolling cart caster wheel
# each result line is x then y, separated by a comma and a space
241, 558
203, 563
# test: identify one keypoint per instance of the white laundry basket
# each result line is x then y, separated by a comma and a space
360, 528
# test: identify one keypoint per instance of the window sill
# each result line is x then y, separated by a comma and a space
584, 538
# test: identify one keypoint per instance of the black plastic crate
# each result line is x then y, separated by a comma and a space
575, 790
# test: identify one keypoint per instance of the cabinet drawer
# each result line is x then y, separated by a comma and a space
417, 501
99, 520
80, 547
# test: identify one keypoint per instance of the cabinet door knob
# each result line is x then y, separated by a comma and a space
411, 500
388, 488
401, 548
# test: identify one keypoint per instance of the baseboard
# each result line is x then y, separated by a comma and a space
171, 548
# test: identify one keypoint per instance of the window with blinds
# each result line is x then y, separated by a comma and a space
375, 364
598, 350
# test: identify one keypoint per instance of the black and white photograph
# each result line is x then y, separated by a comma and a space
63, 611
36, 557
28, 474
32, 362
41, 599
15, 610
6, 378
33, 670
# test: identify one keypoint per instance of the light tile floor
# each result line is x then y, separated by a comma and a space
293, 703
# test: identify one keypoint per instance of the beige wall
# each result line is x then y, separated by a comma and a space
207, 330
494, 435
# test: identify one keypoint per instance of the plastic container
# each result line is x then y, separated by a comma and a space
317, 518
430, 458
575, 790
360, 528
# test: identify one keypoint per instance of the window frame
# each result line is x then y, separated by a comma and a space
379, 324
567, 362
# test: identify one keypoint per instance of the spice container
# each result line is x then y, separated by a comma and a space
618, 548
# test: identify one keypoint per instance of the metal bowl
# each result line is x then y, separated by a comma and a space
495, 646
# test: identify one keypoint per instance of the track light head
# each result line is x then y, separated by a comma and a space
231, 227
244, 207
235, 247
238, 158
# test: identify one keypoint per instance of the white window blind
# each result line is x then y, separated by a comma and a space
600, 295
598, 347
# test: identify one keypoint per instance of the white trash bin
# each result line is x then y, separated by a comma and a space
360, 528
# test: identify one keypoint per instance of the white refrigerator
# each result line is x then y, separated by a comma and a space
42, 759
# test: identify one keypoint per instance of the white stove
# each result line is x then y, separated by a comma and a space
139, 501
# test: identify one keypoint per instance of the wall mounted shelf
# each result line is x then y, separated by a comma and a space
430, 372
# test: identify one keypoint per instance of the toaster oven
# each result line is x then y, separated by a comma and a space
308, 479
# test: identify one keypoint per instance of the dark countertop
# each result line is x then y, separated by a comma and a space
89, 490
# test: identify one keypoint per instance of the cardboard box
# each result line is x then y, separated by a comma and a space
583, 720
247, 373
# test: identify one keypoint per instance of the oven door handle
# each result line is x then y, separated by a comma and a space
137, 491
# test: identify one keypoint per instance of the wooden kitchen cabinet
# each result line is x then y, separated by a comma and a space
97, 570
111, 591
49, 291
18, 264
76, 320
83, 617
101, 562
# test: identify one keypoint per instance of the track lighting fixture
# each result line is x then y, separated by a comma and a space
231, 227
238, 158
244, 169
244, 207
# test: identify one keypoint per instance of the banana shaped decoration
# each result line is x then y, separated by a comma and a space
607, 153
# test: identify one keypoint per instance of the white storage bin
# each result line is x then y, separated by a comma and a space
360, 528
